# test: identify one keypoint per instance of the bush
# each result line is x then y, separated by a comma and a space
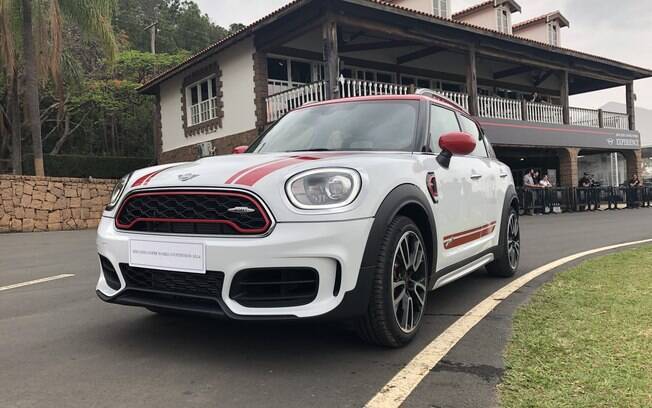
87, 166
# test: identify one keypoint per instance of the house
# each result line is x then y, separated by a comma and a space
515, 80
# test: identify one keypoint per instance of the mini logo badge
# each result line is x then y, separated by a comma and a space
187, 176
241, 210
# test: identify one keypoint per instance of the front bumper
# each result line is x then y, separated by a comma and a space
334, 249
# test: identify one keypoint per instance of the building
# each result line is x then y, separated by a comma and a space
515, 78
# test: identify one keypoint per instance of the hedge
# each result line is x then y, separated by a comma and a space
63, 165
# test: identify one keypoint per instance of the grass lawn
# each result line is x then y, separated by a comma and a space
585, 339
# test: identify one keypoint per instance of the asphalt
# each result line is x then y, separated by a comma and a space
60, 346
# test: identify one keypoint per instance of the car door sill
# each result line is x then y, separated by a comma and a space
464, 270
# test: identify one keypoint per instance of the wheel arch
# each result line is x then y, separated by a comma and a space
510, 201
409, 201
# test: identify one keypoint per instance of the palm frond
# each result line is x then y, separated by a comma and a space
93, 17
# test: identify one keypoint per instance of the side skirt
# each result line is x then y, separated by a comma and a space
455, 272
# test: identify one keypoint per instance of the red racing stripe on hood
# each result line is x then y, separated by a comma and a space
144, 180
251, 175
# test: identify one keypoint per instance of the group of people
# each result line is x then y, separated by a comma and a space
531, 179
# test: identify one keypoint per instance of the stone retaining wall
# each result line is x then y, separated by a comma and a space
51, 204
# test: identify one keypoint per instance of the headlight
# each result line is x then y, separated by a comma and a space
117, 191
323, 188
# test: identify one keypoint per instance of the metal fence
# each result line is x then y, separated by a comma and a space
576, 199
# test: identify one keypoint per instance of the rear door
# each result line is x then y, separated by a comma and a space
484, 179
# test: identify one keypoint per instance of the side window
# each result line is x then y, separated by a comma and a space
442, 121
471, 128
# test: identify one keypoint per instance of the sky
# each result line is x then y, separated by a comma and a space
620, 30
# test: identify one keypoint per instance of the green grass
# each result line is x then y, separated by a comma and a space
585, 339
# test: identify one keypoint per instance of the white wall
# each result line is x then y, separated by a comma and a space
424, 6
237, 67
537, 32
483, 18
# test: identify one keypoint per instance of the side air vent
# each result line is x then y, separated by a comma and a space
110, 275
275, 287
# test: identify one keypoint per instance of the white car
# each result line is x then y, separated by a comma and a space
347, 209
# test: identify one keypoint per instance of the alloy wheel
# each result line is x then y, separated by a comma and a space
409, 281
513, 241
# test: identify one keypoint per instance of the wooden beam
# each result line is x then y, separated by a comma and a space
630, 100
380, 45
331, 58
542, 78
513, 71
472, 81
564, 97
403, 59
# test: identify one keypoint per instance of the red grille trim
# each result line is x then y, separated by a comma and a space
252, 200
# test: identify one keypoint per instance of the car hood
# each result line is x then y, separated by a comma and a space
266, 175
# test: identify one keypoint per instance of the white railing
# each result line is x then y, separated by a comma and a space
284, 102
615, 120
459, 98
545, 113
203, 111
584, 117
489, 106
350, 88
500, 108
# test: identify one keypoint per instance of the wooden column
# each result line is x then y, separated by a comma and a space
630, 97
568, 168
472, 81
564, 97
331, 58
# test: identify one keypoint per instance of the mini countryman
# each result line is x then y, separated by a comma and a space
350, 209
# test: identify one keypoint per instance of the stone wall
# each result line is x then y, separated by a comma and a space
30, 204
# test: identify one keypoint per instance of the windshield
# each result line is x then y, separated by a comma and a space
371, 126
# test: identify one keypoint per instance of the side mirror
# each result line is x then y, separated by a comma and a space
240, 149
458, 143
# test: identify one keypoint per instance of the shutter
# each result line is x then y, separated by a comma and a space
443, 8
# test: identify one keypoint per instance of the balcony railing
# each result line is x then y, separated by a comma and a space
488, 106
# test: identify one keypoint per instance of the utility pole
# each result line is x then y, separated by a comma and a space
152, 36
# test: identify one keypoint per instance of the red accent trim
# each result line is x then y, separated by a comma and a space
233, 225
464, 237
457, 143
231, 179
255, 175
547, 129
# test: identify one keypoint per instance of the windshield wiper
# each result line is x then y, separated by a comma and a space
308, 150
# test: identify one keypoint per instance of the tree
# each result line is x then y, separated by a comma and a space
48, 16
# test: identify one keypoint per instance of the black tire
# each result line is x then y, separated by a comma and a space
508, 254
380, 325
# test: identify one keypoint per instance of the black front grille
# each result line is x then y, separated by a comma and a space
195, 212
275, 287
208, 285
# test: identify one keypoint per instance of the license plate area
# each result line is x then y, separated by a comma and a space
170, 256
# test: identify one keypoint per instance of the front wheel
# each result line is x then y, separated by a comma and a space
508, 254
399, 291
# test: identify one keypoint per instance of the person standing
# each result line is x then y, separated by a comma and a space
528, 191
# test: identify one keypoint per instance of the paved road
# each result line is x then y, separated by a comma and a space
60, 346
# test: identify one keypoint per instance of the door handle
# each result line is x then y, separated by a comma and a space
476, 176
503, 175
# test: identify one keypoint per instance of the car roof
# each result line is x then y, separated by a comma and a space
441, 101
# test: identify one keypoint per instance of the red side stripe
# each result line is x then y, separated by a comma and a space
461, 238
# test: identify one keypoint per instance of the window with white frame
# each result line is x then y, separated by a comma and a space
553, 33
441, 8
368, 74
504, 19
203, 97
